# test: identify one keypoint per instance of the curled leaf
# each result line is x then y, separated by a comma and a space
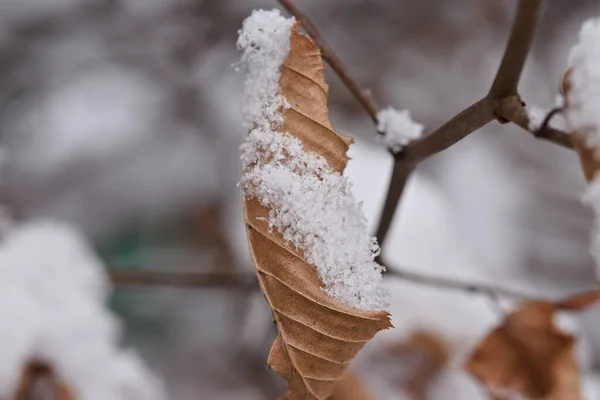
528, 355
318, 336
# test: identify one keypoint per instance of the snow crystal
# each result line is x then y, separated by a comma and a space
52, 295
397, 128
309, 204
584, 84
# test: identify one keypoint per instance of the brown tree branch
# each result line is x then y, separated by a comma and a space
466, 122
511, 109
518, 45
181, 279
476, 116
400, 175
460, 126
362, 95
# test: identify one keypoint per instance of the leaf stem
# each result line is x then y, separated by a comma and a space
362, 95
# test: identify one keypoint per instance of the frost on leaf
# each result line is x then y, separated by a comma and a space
397, 128
528, 356
53, 291
582, 96
307, 235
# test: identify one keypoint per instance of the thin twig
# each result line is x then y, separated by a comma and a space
362, 95
446, 283
476, 116
512, 110
518, 45
181, 279
466, 122
460, 126
400, 174
575, 302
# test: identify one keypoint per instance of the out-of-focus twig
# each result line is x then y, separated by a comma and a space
362, 95
577, 301
182, 279
447, 283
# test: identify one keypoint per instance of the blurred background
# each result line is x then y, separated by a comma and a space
122, 118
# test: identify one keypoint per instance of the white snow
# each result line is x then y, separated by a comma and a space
94, 115
309, 204
397, 128
52, 301
582, 111
584, 82
536, 117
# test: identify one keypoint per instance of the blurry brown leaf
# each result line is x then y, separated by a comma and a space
427, 354
579, 301
351, 387
318, 336
38, 382
529, 355
587, 156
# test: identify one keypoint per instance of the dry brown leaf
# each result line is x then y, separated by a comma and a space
427, 355
587, 156
38, 381
318, 336
351, 387
580, 301
528, 354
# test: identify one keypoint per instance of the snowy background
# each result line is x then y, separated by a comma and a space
122, 118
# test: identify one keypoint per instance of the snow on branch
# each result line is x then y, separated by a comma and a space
583, 103
397, 128
584, 84
309, 203
53, 292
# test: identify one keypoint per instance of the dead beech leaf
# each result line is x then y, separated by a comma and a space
529, 355
426, 354
38, 381
580, 301
587, 156
318, 336
351, 387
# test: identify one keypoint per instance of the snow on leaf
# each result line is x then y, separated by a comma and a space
308, 238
